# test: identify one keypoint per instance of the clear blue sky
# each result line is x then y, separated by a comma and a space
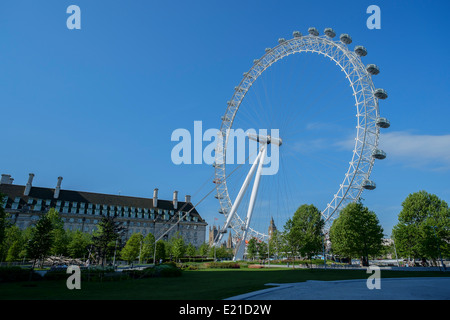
98, 105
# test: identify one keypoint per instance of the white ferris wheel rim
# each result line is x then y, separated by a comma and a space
367, 136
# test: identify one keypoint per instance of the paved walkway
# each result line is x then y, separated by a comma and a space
390, 289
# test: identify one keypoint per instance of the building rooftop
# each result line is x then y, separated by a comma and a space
17, 197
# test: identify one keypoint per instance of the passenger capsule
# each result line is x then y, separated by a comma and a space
383, 123
313, 32
329, 32
268, 50
378, 154
361, 51
380, 93
296, 34
373, 69
281, 40
345, 38
369, 185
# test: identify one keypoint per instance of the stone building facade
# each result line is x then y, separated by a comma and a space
83, 210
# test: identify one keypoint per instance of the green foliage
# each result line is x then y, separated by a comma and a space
356, 233
252, 248
163, 270
160, 250
178, 247
190, 250
276, 243
222, 265
14, 242
204, 249
303, 232
262, 249
132, 248
91, 274
423, 229
14, 274
220, 252
106, 238
148, 248
78, 244
4, 224
41, 241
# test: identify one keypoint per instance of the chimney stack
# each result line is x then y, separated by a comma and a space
58, 188
29, 184
188, 198
155, 198
6, 179
175, 200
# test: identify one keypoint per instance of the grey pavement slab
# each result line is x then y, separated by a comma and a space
425, 288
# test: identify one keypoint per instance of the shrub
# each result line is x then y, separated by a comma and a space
255, 266
223, 265
91, 274
162, 270
13, 274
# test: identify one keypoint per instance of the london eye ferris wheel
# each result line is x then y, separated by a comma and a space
260, 100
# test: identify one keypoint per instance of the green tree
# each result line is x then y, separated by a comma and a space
262, 249
79, 243
190, 250
4, 224
41, 241
204, 249
60, 237
423, 228
14, 242
276, 243
219, 252
252, 248
148, 247
132, 248
356, 233
178, 247
303, 232
160, 253
106, 238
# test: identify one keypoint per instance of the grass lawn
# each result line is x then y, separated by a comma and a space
207, 284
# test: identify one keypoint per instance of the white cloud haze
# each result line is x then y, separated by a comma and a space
413, 150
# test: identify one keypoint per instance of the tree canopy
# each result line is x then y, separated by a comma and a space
423, 228
303, 232
356, 233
